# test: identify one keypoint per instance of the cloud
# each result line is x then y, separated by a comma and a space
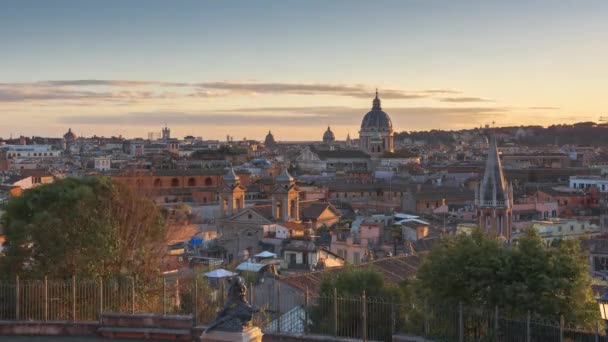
464, 99
404, 118
544, 108
90, 88
110, 83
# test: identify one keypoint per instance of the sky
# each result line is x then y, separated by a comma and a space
213, 68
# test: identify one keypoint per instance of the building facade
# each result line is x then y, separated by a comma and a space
494, 197
376, 134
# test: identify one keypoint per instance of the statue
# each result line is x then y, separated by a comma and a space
237, 313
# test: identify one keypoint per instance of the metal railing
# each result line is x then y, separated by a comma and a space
284, 310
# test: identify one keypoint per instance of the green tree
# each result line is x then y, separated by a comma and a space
87, 227
480, 272
349, 284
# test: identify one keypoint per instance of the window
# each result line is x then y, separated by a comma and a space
571, 228
208, 181
356, 257
559, 229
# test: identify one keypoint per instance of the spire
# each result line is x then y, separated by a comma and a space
493, 189
284, 176
376, 103
231, 176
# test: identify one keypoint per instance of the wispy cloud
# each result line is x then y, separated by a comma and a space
404, 118
544, 108
465, 99
110, 89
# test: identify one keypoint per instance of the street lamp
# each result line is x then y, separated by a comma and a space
603, 303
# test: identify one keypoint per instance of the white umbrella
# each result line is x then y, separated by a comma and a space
266, 254
219, 273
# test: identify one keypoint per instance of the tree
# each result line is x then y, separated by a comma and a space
479, 272
88, 227
349, 284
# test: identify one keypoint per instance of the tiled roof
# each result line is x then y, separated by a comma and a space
395, 270
341, 154
263, 210
313, 209
293, 225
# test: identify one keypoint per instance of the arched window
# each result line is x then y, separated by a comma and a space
158, 183
191, 182
208, 181
174, 182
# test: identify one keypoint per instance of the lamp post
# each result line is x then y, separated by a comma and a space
603, 304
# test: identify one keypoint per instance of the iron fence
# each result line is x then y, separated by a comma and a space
283, 310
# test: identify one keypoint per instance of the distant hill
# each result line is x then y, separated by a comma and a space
580, 134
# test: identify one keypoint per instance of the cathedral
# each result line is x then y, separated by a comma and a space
376, 134
241, 228
494, 197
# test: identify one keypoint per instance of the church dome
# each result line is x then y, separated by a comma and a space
328, 136
269, 141
376, 119
70, 136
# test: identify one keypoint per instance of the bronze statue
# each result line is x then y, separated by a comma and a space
237, 313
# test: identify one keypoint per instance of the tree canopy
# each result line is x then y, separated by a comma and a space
88, 227
477, 270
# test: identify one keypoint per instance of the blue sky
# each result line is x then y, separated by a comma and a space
511, 62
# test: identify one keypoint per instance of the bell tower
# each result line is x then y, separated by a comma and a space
285, 199
494, 197
232, 194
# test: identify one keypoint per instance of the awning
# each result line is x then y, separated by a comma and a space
219, 273
266, 254
250, 267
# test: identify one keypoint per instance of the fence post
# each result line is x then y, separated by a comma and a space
496, 322
17, 301
164, 296
306, 308
251, 293
426, 318
460, 323
133, 295
364, 316
278, 307
561, 328
46, 298
195, 305
335, 312
100, 297
528, 333
393, 316
74, 298
597, 331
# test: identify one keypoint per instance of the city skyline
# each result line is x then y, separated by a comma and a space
211, 69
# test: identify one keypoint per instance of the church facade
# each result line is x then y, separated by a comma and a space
242, 229
376, 134
494, 197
